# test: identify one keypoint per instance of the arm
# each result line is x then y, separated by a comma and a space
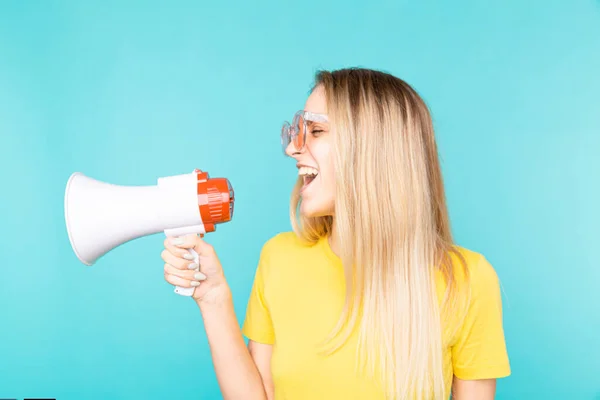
261, 354
238, 375
483, 389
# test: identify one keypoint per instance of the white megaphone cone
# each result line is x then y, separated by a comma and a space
101, 216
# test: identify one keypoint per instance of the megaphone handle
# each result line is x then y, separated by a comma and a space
188, 291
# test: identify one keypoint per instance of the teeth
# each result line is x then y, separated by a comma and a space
303, 171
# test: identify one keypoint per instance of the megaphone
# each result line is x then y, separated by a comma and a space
101, 216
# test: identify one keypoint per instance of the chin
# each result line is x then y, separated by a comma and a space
313, 210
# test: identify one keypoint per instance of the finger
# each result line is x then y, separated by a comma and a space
178, 262
185, 274
195, 242
177, 250
178, 281
183, 242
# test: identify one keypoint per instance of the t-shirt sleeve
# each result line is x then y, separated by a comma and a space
480, 350
257, 324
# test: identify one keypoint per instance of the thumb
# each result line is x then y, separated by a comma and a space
201, 247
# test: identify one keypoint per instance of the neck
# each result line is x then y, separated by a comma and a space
333, 240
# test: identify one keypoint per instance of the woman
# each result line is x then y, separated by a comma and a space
368, 297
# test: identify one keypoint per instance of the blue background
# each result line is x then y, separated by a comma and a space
130, 91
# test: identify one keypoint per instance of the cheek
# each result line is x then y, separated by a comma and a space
324, 197
330, 172
328, 179
329, 182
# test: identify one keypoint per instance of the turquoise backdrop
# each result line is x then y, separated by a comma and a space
128, 91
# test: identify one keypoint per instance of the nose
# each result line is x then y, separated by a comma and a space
291, 150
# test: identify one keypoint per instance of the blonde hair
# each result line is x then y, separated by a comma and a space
392, 227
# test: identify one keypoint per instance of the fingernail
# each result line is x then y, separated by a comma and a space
195, 283
199, 276
193, 266
177, 241
188, 256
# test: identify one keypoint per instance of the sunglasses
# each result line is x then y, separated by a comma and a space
296, 131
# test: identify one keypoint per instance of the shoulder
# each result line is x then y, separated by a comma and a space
477, 265
281, 247
287, 238
279, 256
476, 272
282, 243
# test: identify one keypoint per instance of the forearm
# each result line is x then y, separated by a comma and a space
236, 372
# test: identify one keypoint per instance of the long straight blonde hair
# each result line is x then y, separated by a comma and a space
392, 227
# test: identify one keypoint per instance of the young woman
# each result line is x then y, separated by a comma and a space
367, 297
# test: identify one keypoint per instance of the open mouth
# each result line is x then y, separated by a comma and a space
309, 174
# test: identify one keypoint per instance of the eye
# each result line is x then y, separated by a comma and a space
317, 130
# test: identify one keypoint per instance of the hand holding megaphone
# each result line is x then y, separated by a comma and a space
102, 216
181, 270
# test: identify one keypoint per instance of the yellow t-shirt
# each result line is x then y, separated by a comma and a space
297, 297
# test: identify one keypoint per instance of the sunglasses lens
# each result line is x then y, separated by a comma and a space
285, 136
293, 133
299, 136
